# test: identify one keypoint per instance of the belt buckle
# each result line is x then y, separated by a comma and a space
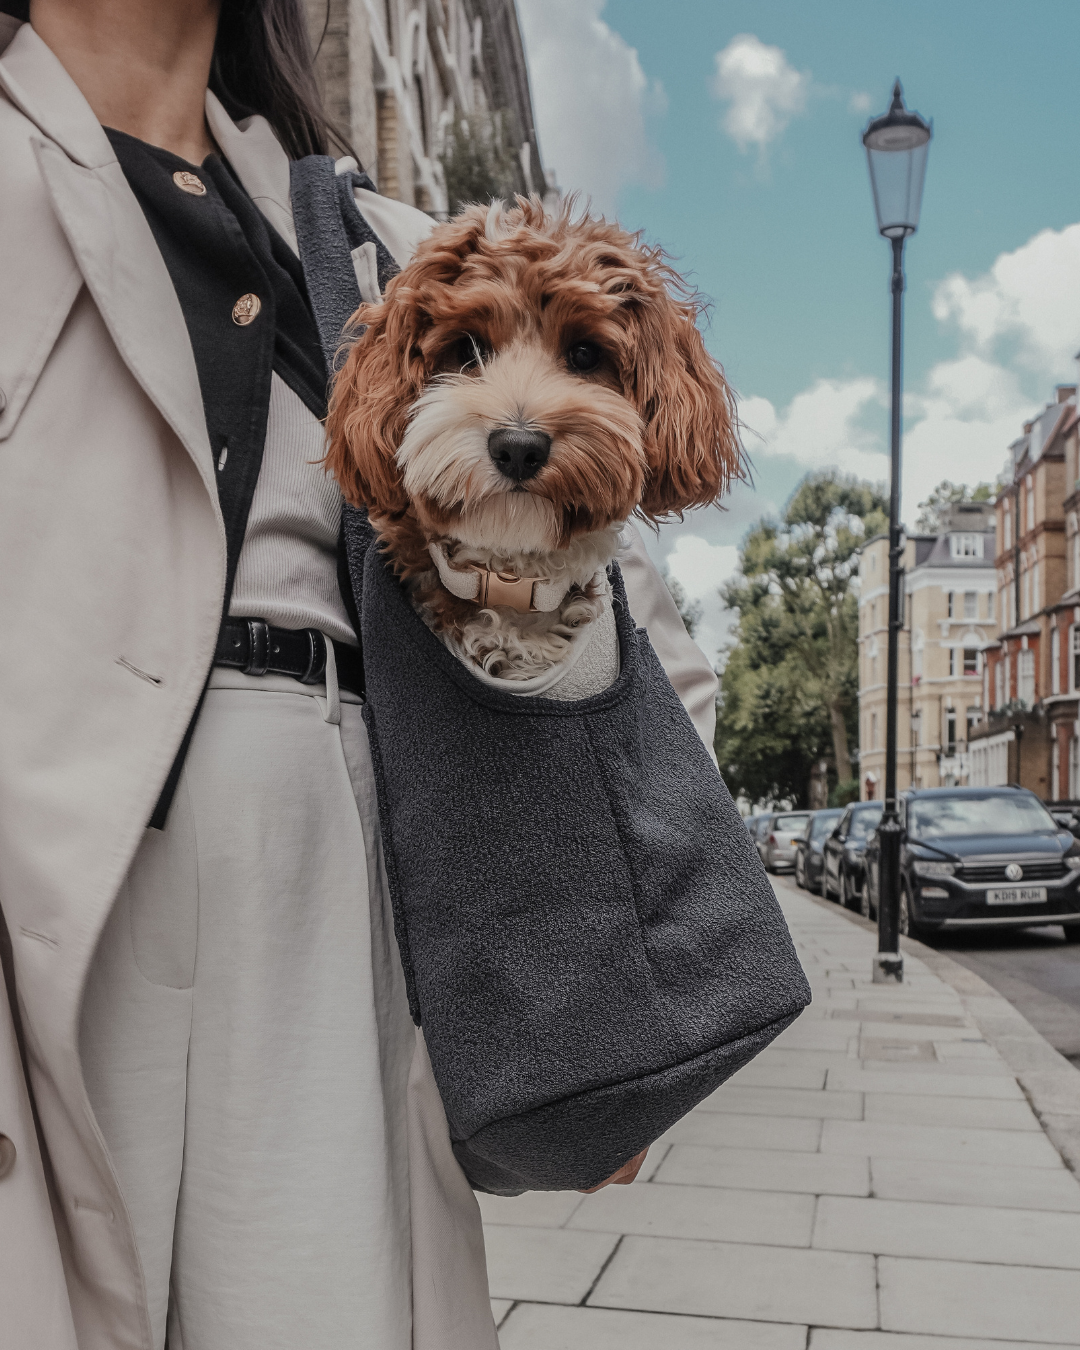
258, 647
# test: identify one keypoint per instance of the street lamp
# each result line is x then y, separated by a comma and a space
897, 145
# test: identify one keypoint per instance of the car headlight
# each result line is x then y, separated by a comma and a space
1073, 861
935, 869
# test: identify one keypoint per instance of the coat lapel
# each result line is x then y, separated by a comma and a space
111, 241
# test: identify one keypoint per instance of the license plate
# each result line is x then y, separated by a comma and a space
1017, 895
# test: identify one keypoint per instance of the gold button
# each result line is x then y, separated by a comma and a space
7, 1156
189, 182
246, 310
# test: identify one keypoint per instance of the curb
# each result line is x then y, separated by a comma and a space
1050, 1083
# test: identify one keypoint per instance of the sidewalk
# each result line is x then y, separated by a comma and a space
875, 1180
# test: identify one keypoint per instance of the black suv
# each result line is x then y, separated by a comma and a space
982, 858
842, 873
809, 863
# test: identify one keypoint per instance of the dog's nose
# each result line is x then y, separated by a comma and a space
517, 453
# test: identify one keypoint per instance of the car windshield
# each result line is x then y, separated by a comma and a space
863, 824
824, 824
791, 824
1019, 813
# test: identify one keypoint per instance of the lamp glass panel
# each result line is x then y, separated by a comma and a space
897, 178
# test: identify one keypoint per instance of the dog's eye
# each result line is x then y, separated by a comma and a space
471, 352
584, 356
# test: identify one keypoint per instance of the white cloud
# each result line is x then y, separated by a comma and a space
763, 91
860, 102
1028, 302
821, 428
701, 569
592, 100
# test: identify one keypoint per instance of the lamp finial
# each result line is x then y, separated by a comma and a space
897, 104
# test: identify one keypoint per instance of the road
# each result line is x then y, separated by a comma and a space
1036, 970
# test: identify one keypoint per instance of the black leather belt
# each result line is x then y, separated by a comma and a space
251, 645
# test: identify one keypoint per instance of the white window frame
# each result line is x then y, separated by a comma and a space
1055, 660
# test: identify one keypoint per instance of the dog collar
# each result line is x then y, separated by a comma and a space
528, 595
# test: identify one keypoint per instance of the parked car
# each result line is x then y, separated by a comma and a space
842, 854
751, 824
761, 832
982, 858
809, 860
778, 845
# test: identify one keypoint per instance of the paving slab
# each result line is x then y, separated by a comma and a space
938, 1082
955, 1298
938, 1143
1015, 1237
778, 1101
534, 1209
826, 1338
816, 1036
951, 1183
772, 1218
538, 1327
720, 1279
716, 1129
762, 1170
915, 1109
547, 1265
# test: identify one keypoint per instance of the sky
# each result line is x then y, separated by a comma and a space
728, 132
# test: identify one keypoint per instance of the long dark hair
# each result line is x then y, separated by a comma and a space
263, 64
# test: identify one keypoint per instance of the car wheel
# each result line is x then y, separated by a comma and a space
800, 873
908, 926
841, 891
847, 899
1072, 932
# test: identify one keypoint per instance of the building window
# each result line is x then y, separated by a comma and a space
952, 606
1025, 607
1076, 560
952, 660
916, 727
1055, 767
966, 545
989, 604
1074, 663
1026, 677
1055, 660
1007, 525
950, 731
999, 684
873, 731
1074, 767
971, 601
971, 661
986, 685
973, 716
1030, 497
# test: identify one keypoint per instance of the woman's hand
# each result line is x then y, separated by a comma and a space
623, 1177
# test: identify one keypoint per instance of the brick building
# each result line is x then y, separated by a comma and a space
950, 610
1029, 735
395, 73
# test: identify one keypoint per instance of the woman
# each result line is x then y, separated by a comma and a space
217, 1123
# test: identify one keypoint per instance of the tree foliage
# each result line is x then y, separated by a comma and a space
945, 494
479, 159
689, 610
789, 688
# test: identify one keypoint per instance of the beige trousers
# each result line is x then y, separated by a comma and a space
266, 1102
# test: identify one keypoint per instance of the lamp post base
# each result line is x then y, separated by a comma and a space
889, 968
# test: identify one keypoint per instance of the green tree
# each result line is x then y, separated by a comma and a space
479, 159
789, 688
930, 511
689, 610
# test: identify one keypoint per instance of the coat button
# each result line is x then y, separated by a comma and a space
246, 310
7, 1156
189, 182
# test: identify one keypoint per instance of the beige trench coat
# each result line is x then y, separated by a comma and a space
112, 564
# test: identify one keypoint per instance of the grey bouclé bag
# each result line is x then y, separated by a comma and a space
589, 940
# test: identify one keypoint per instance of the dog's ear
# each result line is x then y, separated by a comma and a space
381, 378
691, 430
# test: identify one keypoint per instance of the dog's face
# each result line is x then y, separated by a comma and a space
530, 378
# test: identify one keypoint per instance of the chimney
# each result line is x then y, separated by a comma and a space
1065, 392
